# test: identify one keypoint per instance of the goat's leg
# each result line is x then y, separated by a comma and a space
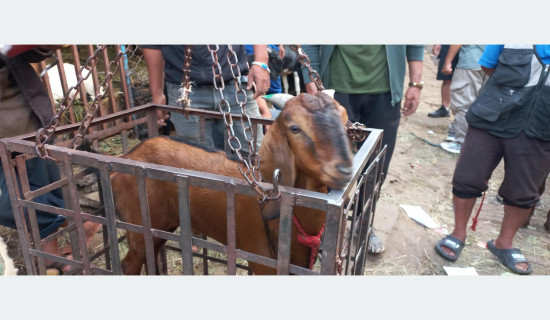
157, 244
259, 269
135, 258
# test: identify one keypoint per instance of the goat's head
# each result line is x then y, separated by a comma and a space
309, 136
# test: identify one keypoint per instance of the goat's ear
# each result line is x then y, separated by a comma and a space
343, 112
278, 99
275, 153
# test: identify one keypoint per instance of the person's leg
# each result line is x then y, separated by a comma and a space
374, 111
446, 93
252, 110
526, 166
480, 155
462, 209
464, 90
201, 98
41, 173
443, 110
514, 218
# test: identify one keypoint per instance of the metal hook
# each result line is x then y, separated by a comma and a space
50, 66
276, 179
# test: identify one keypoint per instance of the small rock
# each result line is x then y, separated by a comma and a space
87, 180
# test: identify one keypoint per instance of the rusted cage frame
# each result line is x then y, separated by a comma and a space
74, 52
333, 203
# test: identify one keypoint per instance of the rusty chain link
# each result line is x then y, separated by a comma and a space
186, 83
250, 169
43, 135
354, 130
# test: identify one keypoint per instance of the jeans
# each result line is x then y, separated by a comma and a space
41, 172
208, 98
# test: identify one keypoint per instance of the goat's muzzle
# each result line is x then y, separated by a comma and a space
337, 175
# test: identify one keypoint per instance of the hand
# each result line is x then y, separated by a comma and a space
260, 78
412, 98
264, 111
281, 51
162, 115
311, 88
436, 50
447, 68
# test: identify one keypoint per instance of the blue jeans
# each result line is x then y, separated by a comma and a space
41, 173
208, 98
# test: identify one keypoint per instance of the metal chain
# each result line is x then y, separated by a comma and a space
250, 169
186, 83
354, 130
92, 110
304, 60
43, 135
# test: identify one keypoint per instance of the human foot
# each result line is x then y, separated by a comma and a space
449, 247
90, 229
512, 258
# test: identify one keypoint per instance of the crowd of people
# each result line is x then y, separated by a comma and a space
499, 97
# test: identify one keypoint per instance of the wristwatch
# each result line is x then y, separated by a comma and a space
262, 65
419, 85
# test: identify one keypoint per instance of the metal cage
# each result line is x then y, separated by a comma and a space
349, 211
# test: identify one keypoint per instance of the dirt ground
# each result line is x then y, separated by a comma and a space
420, 174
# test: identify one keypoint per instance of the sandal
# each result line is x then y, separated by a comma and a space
453, 244
375, 244
510, 258
61, 268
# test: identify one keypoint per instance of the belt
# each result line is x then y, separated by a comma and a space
244, 79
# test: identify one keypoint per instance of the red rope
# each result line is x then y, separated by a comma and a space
314, 242
474, 219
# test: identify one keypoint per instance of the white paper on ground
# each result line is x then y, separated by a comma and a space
454, 271
419, 215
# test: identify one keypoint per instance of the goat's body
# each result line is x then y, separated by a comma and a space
208, 207
313, 155
70, 76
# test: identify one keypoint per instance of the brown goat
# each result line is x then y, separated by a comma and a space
307, 142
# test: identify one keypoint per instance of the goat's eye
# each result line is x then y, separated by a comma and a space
294, 129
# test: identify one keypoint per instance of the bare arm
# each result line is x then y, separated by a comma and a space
448, 64
257, 74
155, 68
264, 111
412, 95
281, 51
436, 50
488, 71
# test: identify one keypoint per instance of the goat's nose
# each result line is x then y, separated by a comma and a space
344, 169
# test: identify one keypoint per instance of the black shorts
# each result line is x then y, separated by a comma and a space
442, 55
526, 166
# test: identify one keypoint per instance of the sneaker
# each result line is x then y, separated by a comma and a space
442, 112
452, 147
450, 138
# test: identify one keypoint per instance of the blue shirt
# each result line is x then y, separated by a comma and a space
489, 59
275, 85
469, 55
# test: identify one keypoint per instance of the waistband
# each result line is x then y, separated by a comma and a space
210, 84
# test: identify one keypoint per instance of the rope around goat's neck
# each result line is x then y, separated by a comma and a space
314, 242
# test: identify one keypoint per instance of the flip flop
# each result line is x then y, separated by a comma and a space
509, 258
453, 244
59, 266
375, 244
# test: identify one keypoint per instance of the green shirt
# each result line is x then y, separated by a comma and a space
359, 69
